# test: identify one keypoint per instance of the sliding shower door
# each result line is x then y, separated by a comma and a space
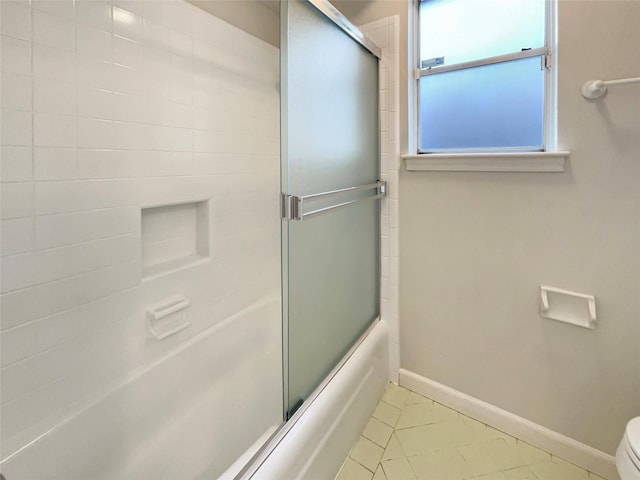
330, 173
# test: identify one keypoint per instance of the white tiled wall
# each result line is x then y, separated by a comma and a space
385, 33
109, 106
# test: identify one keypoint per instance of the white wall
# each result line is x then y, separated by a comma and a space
108, 107
476, 246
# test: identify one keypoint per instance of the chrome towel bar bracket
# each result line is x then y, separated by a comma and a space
293, 205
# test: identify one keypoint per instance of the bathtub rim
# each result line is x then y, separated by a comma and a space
261, 456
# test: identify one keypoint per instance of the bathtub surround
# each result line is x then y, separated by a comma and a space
109, 108
385, 33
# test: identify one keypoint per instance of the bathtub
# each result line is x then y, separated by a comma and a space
321, 437
193, 413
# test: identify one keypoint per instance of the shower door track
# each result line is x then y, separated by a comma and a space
333, 14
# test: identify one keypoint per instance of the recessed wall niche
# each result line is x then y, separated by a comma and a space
174, 236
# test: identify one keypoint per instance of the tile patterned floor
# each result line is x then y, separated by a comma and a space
410, 437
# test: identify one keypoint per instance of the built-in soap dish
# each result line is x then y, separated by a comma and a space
167, 318
569, 307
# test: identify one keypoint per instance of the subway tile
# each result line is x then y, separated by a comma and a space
17, 236
18, 380
57, 329
53, 364
393, 97
158, 12
127, 79
51, 130
16, 164
94, 133
18, 271
174, 139
15, 55
53, 31
137, 109
181, 44
180, 14
108, 251
16, 91
97, 194
57, 230
384, 100
155, 34
62, 9
60, 295
55, 163
127, 23
17, 308
96, 14
17, 343
65, 229
19, 415
132, 136
385, 266
17, 200
394, 244
16, 127
108, 281
15, 20
95, 103
56, 197
53, 96
93, 42
133, 6
94, 72
97, 164
57, 263
53, 63
127, 52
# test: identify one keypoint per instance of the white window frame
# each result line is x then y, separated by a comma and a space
498, 159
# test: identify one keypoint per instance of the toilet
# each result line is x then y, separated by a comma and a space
628, 454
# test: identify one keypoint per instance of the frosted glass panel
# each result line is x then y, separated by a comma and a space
330, 115
464, 30
333, 291
492, 106
332, 105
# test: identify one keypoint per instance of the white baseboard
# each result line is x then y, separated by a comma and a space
559, 445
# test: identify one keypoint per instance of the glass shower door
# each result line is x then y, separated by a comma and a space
330, 173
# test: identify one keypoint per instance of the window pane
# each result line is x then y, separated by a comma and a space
491, 106
465, 30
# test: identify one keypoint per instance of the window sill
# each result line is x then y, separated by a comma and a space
487, 162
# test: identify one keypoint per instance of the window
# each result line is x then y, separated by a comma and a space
482, 75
